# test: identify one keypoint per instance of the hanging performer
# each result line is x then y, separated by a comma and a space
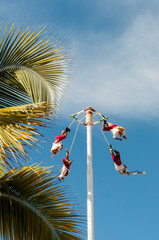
66, 167
115, 130
57, 144
119, 166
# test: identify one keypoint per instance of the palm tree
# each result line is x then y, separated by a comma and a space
17, 129
32, 71
32, 79
34, 206
32, 67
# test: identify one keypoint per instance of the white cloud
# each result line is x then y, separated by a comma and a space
121, 74
116, 69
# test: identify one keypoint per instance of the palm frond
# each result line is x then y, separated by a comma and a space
3, 168
33, 67
18, 129
33, 206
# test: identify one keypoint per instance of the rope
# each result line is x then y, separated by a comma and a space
74, 137
104, 135
74, 116
75, 132
96, 113
71, 123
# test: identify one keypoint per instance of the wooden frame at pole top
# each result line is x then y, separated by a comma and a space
89, 117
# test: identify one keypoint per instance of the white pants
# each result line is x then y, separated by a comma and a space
55, 145
119, 168
115, 131
64, 172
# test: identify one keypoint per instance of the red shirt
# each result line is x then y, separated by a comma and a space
116, 159
60, 138
66, 162
108, 128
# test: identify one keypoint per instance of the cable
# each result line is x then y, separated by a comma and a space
75, 132
71, 123
74, 137
104, 135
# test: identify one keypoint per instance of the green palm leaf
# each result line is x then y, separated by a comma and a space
17, 129
32, 67
33, 206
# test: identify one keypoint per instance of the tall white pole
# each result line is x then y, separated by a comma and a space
90, 209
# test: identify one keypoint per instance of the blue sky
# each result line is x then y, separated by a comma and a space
115, 53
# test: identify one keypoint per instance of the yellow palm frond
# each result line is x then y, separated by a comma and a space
33, 206
17, 129
3, 168
33, 67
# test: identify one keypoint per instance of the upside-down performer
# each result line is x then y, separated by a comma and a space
66, 167
119, 166
114, 129
57, 144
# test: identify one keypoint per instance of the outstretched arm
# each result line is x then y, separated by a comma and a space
119, 139
123, 133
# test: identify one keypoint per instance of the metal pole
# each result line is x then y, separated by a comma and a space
90, 209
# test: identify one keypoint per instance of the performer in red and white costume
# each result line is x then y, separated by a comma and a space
66, 167
57, 144
115, 130
119, 166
